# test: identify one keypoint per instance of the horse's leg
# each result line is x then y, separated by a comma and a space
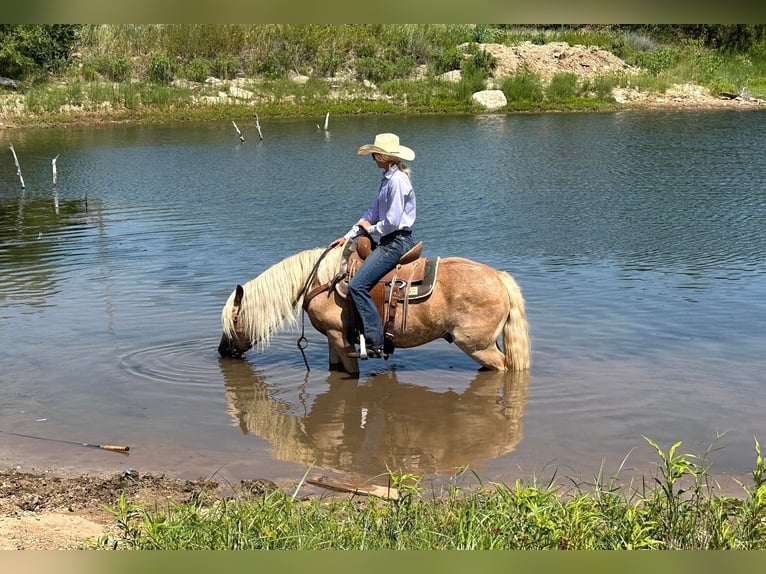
489, 357
339, 359
477, 316
336, 364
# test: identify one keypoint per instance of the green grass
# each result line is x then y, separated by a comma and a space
677, 508
130, 72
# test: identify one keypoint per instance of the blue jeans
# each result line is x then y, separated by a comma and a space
378, 263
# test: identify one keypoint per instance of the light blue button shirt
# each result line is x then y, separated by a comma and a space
394, 206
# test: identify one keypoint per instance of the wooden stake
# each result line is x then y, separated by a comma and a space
53, 164
241, 137
258, 127
326, 123
18, 168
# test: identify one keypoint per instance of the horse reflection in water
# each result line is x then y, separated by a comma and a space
384, 424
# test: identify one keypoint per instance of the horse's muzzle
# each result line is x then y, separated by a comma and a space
227, 349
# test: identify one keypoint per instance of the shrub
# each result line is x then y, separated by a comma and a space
600, 87
639, 42
563, 86
473, 80
523, 87
198, 70
379, 70
119, 69
656, 62
225, 66
484, 34
161, 69
276, 64
89, 71
328, 64
30, 51
447, 59
485, 62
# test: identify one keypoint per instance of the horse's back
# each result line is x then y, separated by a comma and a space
459, 273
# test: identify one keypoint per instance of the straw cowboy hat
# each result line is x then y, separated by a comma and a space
387, 144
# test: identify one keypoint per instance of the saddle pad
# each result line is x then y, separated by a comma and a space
420, 275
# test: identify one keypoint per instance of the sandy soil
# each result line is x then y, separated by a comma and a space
44, 511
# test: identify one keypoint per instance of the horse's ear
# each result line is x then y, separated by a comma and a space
239, 292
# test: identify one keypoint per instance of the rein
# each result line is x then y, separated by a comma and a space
302, 341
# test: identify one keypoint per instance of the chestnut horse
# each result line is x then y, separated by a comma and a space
471, 305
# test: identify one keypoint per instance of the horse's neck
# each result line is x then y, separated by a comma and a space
276, 292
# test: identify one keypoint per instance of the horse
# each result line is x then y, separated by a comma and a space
471, 305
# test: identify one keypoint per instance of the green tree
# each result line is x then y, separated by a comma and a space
32, 51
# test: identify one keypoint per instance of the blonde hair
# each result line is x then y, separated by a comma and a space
398, 161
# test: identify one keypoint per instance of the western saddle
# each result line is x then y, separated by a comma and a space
412, 279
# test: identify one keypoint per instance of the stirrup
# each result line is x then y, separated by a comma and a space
363, 353
362, 347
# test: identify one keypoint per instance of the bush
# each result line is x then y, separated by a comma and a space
379, 70
473, 80
225, 66
640, 42
523, 87
485, 62
119, 69
562, 87
484, 34
327, 65
198, 70
600, 87
657, 61
34, 50
275, 65
89, 71
447, 59
161, 69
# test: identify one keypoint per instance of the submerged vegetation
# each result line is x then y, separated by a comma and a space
677, 509
206, 71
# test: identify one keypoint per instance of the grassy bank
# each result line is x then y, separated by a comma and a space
676, 509
153, 73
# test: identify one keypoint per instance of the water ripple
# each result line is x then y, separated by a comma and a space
186, 363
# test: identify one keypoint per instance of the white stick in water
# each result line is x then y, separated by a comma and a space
241, 137
18, 168
258, 127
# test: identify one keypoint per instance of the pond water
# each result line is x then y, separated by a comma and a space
637, 239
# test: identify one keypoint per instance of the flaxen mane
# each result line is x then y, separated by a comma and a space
272, 298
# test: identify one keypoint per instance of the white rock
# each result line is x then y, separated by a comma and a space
490, 99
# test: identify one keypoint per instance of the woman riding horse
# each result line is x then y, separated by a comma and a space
391, 216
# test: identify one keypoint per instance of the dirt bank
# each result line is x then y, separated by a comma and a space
43, 511
586, 62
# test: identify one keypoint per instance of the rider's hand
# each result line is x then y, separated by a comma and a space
338, 242
365, 225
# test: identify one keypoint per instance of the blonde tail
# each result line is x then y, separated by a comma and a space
516, 344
